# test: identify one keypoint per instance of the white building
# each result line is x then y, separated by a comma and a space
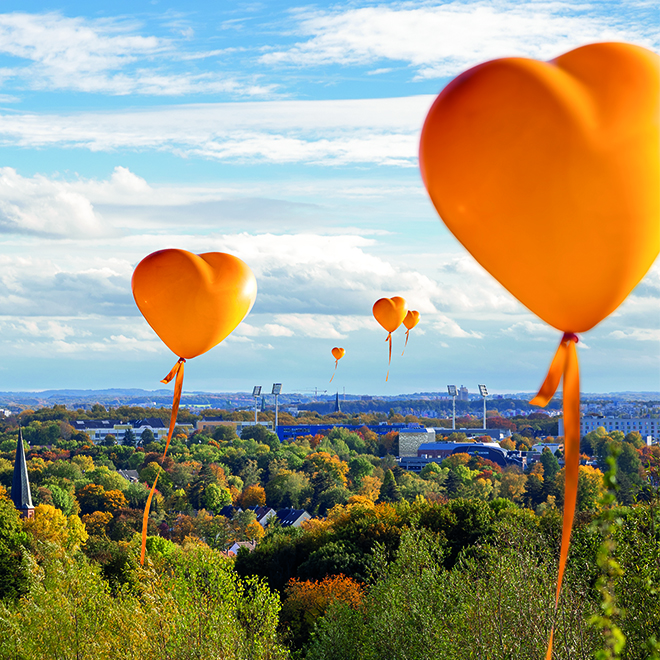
98, 429
645, 426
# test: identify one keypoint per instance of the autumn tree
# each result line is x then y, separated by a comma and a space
512, 485
252, 496
306, 601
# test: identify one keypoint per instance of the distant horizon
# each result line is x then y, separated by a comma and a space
166, 392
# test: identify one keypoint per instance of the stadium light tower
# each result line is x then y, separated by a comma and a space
277, 390
256, 393
452, 393
484, 393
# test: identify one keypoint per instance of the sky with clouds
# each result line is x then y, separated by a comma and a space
287, 135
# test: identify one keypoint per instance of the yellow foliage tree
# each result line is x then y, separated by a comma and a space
590, 487
370, 487
51, 527
83, 462
254, 531
512, 485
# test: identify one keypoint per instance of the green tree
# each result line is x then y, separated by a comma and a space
288, 490
389, 491
14, 572
216, 497
225, 433
550, 465
358, 468
147, 436
129, 438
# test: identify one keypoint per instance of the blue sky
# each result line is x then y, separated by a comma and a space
285, 134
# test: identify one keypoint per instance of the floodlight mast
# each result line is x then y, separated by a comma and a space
277, 389
484, 393
452, 393
256, 393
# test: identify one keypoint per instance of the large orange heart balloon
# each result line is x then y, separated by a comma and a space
193, 301
549, 174
338, 353
411, 320
390, 312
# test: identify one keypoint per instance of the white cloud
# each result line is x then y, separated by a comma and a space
638, 334
70, 282
531, 330
104, 56
39, 205
440, 40
450, 328
43, 337
333, 132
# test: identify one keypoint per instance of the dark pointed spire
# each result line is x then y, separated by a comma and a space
337, 407
20, 485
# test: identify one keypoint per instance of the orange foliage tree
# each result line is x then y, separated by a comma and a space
307, 600
252, 496
97, 522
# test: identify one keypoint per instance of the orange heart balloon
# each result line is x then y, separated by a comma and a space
411, 319
338, 353
390, 312
553, 165
193, 301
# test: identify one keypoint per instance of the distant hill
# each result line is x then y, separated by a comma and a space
416, 403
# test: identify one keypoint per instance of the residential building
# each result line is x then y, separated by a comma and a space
292, 517
646, 426
98, 429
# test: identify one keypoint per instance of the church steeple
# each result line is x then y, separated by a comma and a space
337, 406
20, 485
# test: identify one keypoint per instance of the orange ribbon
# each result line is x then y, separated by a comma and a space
565, 363
389, 336
333, 375
177, 370
406, 344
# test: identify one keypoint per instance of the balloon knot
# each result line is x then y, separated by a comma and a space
570, 336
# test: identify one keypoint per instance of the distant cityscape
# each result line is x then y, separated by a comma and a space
419, 404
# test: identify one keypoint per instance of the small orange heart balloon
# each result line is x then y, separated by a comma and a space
390, 312
338, 353
553, 166
193, 301
411, 320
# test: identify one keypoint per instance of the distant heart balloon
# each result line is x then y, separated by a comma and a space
548, 165
411, 320
338, 354
192, 302
390, 312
